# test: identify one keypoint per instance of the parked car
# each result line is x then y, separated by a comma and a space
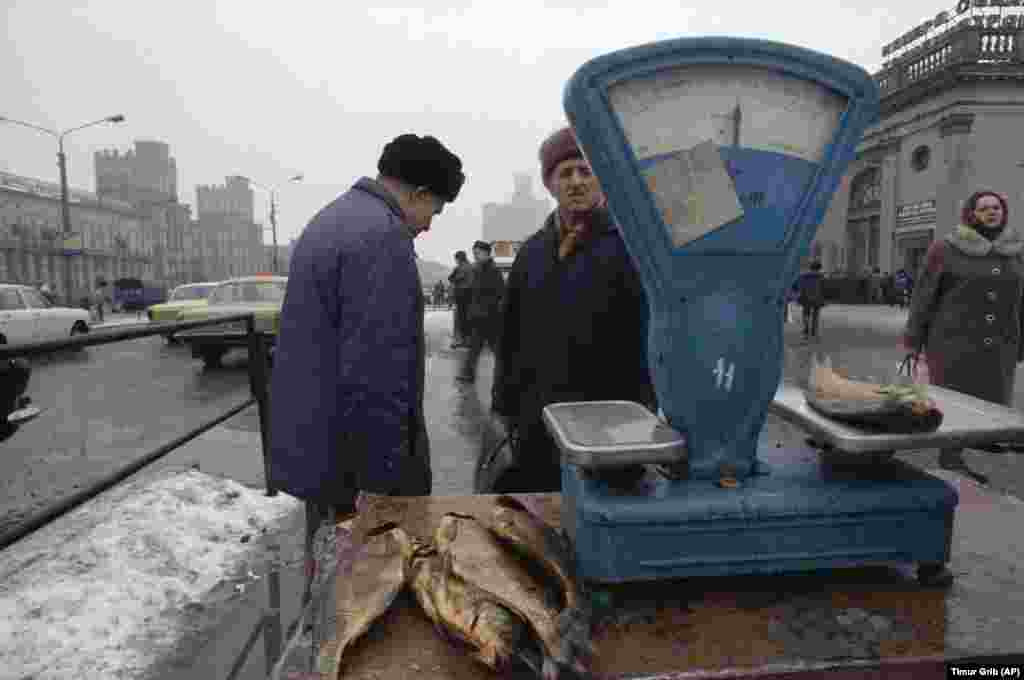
261, 294
27, 316
188, 296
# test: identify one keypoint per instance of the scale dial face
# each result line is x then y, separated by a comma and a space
729, 105
706, 135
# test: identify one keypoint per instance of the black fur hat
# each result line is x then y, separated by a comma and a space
423, 162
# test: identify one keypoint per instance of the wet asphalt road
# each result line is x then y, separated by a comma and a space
110, 404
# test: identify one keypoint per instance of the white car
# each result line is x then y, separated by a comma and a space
27, 316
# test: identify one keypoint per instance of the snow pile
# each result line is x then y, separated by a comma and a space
101, 599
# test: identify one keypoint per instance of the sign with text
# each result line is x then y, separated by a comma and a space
1004, 14
505, 248
73, 244
911, 213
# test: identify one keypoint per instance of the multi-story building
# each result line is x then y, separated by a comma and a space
114, 241
951, 118
231, 241
146, 177
507, 225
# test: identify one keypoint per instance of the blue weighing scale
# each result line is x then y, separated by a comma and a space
719, 157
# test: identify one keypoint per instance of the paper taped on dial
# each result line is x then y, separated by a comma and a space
694, 192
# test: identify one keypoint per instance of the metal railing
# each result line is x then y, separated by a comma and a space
269, 624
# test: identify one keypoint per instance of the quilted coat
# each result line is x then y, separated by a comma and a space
346, 396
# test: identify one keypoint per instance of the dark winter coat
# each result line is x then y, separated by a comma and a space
346, 399
573, 330
966, 313
811, 289
486, 294
461, 278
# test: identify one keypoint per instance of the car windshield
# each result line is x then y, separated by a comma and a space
248, 292
191, 293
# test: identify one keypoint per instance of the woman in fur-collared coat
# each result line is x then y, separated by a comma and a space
965, 314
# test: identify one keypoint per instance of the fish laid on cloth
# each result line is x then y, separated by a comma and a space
528, 535
889, 408
476, 556
464, 612
377, 577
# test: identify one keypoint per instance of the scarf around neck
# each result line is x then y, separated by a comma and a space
575, 228
968, 241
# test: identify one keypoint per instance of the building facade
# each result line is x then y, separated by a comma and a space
230, 241
146, 177
951, 119
114, 241
507, 225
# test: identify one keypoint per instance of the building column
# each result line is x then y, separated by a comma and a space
887, 217
954, 130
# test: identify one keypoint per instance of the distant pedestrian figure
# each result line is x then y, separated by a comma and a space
99, 300
47, 293
439, 293
965, 313
462, 280
811, 296
903, 284
484, 314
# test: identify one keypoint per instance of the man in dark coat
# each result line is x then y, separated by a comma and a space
461, 279
575, 317
484, 314
346, 396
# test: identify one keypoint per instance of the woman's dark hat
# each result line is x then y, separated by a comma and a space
423, 162
482, 245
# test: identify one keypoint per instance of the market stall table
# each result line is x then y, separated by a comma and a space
770, 626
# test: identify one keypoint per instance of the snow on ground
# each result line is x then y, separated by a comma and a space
98, 594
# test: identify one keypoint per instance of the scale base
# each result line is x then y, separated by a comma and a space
802, 516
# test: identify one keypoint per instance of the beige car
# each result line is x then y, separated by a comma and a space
262, 295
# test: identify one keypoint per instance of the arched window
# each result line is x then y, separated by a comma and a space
866, 191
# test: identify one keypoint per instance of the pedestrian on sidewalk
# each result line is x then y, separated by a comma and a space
346, 392
965, 314
574, 326
484, 315
461, 280
903, 285
811, 287
99, 300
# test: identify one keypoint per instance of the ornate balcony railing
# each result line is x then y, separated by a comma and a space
962, 47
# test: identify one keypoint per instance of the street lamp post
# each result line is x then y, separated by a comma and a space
65, 208
273, 215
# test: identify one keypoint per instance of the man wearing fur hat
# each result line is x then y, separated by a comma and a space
574, 319
347, 387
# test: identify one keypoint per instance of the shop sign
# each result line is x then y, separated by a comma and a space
991, 14
73, 244
505, 248
915, 211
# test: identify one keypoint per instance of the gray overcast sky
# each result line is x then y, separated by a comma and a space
268, 90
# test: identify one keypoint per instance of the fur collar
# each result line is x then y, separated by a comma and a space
970, 242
